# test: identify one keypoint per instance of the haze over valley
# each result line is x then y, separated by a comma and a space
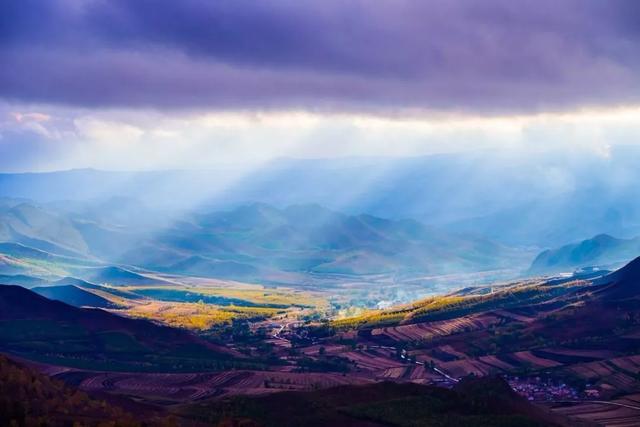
321, 213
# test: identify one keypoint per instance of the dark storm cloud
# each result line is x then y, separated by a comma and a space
482, 56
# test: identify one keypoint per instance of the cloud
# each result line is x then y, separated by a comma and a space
190, 84
494, 56
131, 139
30, 117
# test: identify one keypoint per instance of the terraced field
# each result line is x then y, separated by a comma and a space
430, 330
618, 374
415, 373
372, 360
461, 368
622, 412
174, 388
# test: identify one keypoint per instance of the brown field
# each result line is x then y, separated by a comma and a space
372, 360
414, 373
630, 363
450, 350
441, 356
278, 342
593, 370
329, 349
496, 363
461, 368
175, 388
608, 415
394, 373
422, 375
615, 374
631, 399
423, 355
596, 354
430, 330
514, 316
537, 362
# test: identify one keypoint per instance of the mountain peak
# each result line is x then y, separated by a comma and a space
600, 250
603, 238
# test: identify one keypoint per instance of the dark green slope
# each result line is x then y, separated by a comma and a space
52, 331
486, 402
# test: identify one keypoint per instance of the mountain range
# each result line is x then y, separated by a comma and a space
545, 199
250, 242
602, 250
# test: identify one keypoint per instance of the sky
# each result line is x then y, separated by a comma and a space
154, 84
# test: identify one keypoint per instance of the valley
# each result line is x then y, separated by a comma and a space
540, 335
198, 310
336, 213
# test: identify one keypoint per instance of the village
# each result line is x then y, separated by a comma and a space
546, 390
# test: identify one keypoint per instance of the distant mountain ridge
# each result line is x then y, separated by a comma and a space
491, 193
73, 295
250, 242
256, 238
117, 275
600, 250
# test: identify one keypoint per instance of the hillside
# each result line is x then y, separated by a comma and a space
489, 192
528, 293
621, 284
29, 398
17, 259
533, 295
116, 275
484, 402
207, 267
42, 329
250, 242
41, 228
22, 280
83, 284
73, 295
572, 339
601, 250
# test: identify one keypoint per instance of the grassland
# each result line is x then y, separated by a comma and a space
250, 294
195, 316
202, 307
